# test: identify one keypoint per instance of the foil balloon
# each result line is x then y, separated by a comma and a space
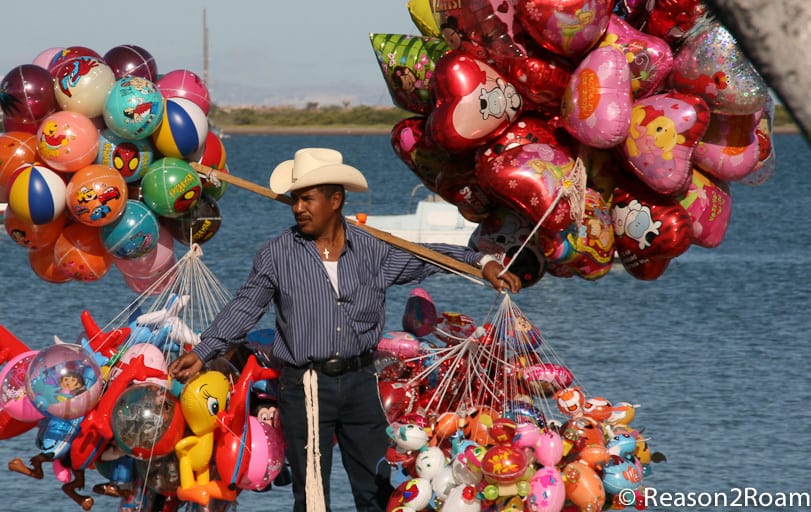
766, 159
665, 128
529, 128
709, 204
407, 63
420, 316
481, 27
644, 268
672, 20
424, 18
730, 149
460, 188
710, 64
650, 58
414, 148
565, 27
474, 103
540, 79
597, 102
400, 343
547, 379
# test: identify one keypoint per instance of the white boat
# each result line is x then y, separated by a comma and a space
3, 207
434, 221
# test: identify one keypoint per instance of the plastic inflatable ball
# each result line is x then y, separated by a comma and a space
64, 381
147, 422
182, 83
130, 157
67, 141
171, 187
81, 85
198, 225
70, 53
133, 234
131, 60
36, 194
33, 236
134, 108
13, 399
96, 195
79, 253
183, 130
16, 149
44, 266
152, 263
44, 58
30, 94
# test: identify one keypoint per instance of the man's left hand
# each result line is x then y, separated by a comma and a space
507, 280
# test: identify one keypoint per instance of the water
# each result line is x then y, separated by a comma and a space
715, 350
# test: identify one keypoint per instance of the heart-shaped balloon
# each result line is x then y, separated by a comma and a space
710, 205
485, 29
597, 103
649, 57
457, 185
501, 234
540, 80
729, 150
474, 103
410, 144
527, 179
711, 65
645, 269
565, 27
648, 225
672, 19
529, 128
665, 129
407, 63
424, 18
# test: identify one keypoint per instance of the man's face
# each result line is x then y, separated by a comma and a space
312, 210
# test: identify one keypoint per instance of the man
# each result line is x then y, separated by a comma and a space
327, 280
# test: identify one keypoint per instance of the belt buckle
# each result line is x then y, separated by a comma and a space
333, 367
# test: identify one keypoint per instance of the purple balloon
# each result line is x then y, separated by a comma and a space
131, 60
27, 94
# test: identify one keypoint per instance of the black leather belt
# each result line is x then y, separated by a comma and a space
338, 366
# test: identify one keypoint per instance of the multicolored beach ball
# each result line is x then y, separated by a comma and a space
36, 194
171, 187
183, 130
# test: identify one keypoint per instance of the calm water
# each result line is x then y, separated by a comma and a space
716, 351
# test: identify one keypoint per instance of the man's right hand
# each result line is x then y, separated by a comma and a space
185, 367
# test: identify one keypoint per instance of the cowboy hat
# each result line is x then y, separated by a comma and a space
315, 166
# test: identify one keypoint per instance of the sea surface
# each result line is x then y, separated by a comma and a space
716, 351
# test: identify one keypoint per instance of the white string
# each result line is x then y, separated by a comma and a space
314, 485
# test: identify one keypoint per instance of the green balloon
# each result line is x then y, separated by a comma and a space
171, 187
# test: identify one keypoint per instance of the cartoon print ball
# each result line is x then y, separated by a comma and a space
130, 157
134, 108
80, 254
133, 234
96, 195
171, 187
67, 141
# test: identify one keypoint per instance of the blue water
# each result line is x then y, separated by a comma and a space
716, 350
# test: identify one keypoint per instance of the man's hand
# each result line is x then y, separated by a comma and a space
185, 367
491, 272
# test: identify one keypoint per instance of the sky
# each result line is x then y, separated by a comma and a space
261, 52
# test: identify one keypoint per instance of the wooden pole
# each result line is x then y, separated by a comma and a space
418, 250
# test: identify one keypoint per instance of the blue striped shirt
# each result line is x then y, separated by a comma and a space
313, 322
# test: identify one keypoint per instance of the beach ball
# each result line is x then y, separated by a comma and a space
131, 60
133, 234
96, 195
183, 130
69, 53
44, 266
33, 236
80, 254
81, 85
182, 83
44, 58
134, 108
36, 194
16, 149
146, 421
198, 225
13, 399
64, 381
29, 94
213, 155
67, 141
171, 187
130, 157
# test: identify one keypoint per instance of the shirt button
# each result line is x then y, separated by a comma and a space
339, 303
338, 329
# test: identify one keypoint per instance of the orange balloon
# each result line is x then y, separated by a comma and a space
583, 486
30, 235
96, 195
16, 149
80, 253
43, 264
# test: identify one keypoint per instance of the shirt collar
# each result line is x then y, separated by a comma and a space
349, 229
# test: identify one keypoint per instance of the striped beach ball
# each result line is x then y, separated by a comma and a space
36, 194
183, 130
171, 187
16, 149
133, 234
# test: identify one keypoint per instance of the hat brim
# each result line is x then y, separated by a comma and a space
281, 179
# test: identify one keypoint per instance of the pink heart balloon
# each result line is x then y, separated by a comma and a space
649, 57
729, 150
474, 103
527, 179
597, 104
665, 129
565, 27
709, 205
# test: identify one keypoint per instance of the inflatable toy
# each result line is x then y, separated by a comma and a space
36, 194
67, 141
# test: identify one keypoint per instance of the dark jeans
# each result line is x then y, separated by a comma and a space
351, 413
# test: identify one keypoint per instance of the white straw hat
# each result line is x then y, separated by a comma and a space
315, 166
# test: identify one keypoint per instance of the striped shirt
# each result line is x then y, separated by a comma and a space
313, 322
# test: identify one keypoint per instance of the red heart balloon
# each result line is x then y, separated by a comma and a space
672, 19
527, 179
457, 184
474, 103
483, 28
529, 128
412, 146
645, 269
649, 57
541, 81
648, 225
565, 27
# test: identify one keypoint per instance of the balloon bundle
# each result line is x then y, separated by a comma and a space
94, 163
654, 99
106, 403
489, 418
